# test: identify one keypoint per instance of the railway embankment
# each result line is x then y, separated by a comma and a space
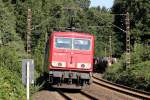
137, 76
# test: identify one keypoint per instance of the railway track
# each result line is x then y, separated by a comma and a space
79, 95
63, 94
122, 89
99, 90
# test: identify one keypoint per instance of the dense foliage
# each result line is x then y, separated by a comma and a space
10, 85
11, 53
139, 21
137, 76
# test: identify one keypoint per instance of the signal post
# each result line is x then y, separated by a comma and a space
28, 52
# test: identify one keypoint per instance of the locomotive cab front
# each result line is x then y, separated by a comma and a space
70, 59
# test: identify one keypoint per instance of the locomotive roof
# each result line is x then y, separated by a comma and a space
74, 34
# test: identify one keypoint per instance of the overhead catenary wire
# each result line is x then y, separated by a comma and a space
111, 24
67, 8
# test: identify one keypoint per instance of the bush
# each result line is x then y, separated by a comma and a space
137, 76
11, 56
11, 87
142, 75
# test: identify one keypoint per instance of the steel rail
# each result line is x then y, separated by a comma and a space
64, 95
90, 96
122, 89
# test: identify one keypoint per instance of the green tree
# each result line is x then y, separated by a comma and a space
139, 21
11, 53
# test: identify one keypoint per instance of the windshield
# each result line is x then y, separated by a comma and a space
61, 42
81, 44
72, 43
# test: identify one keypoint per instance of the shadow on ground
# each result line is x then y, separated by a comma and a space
44, 85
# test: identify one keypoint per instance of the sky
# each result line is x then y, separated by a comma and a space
106, 3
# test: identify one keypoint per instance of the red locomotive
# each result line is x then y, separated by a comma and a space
70, 59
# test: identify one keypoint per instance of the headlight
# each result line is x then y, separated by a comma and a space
84, 65
58, 64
